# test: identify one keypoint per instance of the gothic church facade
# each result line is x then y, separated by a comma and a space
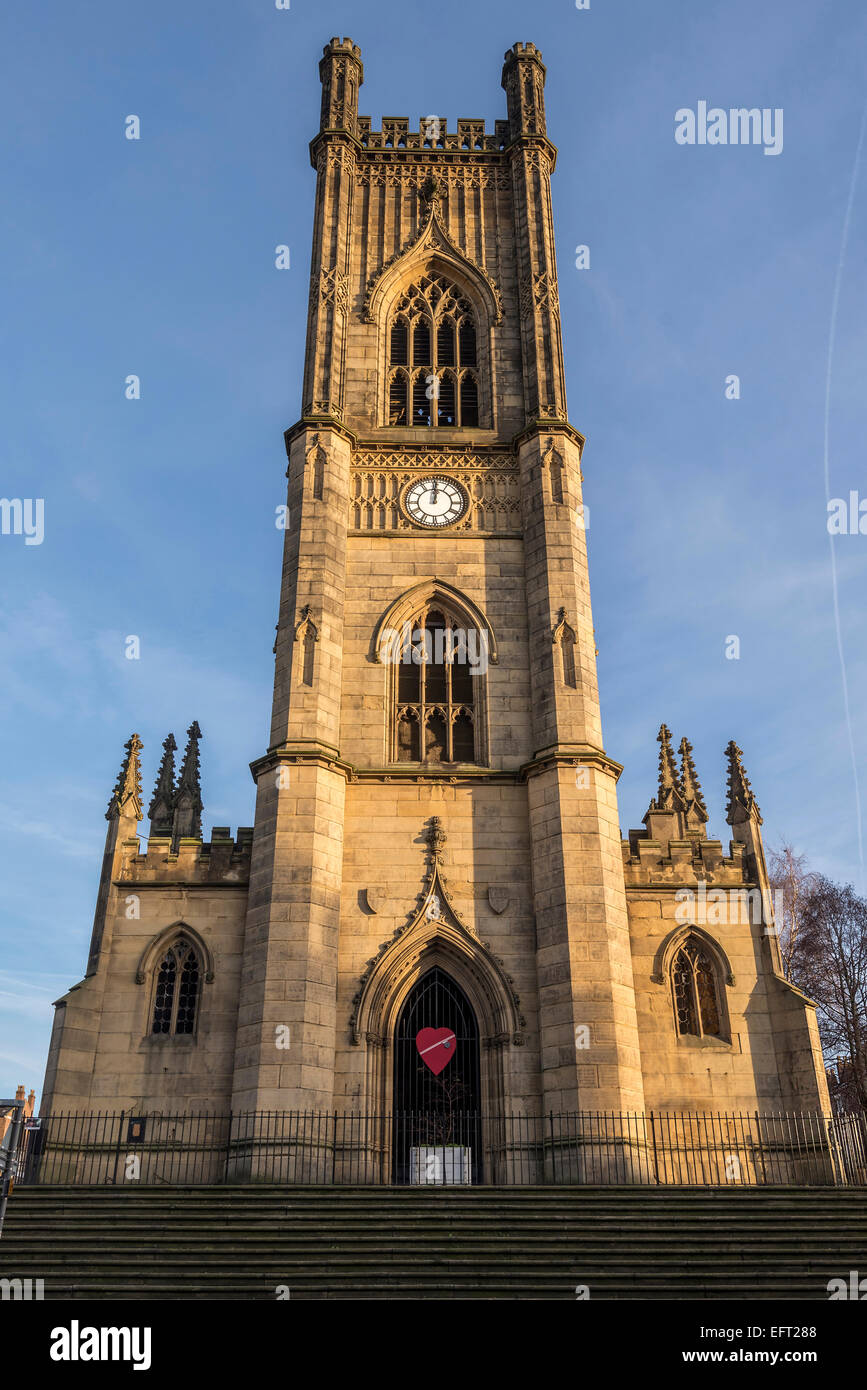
436, 822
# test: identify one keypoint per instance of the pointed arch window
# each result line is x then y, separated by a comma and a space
319, 459
307, 635
696, 991
564, 638
433, 328
438, 692
554, 461
309, 656
567, 647
176, 990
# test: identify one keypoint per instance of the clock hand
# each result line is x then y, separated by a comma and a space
434, 494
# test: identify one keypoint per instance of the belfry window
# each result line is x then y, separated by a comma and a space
176, 994
433, 335
695, 991
436, 695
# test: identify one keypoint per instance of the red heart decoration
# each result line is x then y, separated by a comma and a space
436, 1047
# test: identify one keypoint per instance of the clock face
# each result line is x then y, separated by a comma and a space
435, 501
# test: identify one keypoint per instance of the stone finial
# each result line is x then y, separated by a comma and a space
562, 628
305, 627
436, 838
690, 787
741, 804
127, 788
161, 809
187, 802
668, 797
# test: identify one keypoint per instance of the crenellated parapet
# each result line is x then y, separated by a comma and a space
221, 859
673, 849
650, 863
469, 136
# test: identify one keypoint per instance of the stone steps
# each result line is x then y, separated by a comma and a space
240, 1243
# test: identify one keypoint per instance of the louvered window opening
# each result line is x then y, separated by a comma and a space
433, 376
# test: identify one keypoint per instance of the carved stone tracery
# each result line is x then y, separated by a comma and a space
539, 292
431, 240
333, 289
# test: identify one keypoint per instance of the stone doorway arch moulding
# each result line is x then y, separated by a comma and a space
435, 936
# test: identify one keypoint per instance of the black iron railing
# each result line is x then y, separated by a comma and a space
439, 1148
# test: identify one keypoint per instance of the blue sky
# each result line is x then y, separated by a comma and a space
156, 257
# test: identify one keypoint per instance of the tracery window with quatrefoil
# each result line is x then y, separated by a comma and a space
432, 357
176, 990
695, 989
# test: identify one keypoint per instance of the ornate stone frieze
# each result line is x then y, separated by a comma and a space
443, 460
535, 157
494, 493
340, 156
383, 172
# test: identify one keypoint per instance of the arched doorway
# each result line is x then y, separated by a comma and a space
437, 1121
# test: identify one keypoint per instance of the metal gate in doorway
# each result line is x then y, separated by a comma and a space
437, 1102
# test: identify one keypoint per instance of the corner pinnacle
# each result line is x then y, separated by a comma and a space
741, 804
127, 788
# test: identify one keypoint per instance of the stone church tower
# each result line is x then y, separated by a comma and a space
437, 837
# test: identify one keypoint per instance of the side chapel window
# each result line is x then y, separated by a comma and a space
177, 989
695, 989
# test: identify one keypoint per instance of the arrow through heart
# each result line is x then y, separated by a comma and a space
436, 1047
